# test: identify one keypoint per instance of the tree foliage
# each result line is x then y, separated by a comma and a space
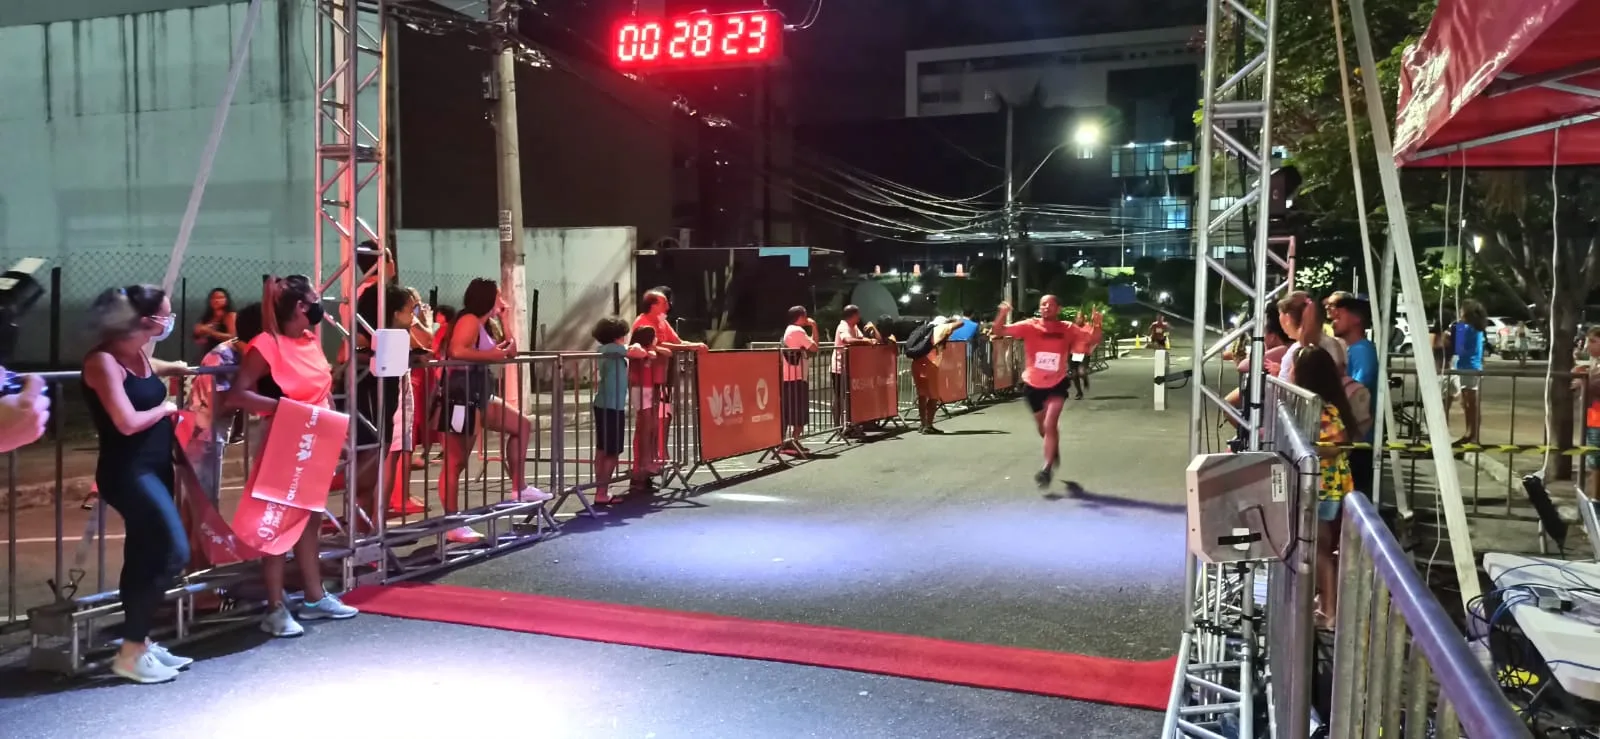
1545, 258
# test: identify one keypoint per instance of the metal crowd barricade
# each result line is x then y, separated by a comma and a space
1294, 420
1400, 664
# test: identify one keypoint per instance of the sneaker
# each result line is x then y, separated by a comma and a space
146, 669
463, 535
329, 607
281, 624
1042, 477
531, 494
169, 659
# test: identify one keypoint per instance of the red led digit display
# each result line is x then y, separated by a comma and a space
698, 40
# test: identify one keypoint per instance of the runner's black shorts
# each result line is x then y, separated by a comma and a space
1037, 396
1075, 367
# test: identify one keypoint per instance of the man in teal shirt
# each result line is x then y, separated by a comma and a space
1352, 317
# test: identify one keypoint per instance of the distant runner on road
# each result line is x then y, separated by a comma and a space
1047, 342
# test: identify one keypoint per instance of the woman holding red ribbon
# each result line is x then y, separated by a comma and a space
286, 361
128, 402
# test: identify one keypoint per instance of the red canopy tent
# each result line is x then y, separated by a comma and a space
1492, 79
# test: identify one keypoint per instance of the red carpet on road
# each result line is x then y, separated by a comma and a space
1096, 679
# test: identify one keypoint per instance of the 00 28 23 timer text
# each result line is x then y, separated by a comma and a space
699, 39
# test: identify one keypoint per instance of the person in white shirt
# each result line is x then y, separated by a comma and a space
799, 342
849, 334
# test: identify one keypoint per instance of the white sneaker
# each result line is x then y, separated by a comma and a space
146, 669
168, 658
463, 535
531, 494
281, 624
329, 607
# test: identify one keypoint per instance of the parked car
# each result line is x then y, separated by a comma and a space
1502, 339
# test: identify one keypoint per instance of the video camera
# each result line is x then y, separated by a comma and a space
19, 293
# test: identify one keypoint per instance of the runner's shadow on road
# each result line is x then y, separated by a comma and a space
1112, 397
1077, 493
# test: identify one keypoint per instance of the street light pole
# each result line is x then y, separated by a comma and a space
1008, 223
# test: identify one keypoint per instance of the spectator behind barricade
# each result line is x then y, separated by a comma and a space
286, 361
1277, 344
847, 335
134, 474
656, 307
611, 402
386, 402
645, 397
399, 409
1352, 317
1317, 371
1300, 318
367, 272
799, 343
925, 347
468, 404
422, 330
220, 322
213, 420
1465, 343
1586, 381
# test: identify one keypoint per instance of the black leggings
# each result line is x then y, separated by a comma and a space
156, 549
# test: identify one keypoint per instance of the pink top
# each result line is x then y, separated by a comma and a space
1046, 348
299, 367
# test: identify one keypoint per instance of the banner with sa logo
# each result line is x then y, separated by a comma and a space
874, 389
738, 403
292, 476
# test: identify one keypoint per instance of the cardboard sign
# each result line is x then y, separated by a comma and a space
738, 403
953, 372
874, 386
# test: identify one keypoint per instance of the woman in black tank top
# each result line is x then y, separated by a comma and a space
128, 403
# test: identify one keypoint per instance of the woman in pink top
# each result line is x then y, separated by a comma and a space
286, 361
849, 334
1047, 344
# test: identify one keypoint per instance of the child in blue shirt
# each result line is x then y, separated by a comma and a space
611, 401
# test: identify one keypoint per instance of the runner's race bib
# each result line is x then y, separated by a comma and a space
1047, 361
1077, 357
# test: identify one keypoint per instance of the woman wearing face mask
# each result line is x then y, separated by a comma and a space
129, 406
286, 361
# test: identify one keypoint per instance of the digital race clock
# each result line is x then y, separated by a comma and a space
698, 40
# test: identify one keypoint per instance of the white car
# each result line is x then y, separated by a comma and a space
1503, 340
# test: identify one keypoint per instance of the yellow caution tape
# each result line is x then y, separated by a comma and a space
1472, 448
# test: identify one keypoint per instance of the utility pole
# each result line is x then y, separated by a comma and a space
1008, 222
508, 158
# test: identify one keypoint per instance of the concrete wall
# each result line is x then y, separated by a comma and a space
576, 271
103, 124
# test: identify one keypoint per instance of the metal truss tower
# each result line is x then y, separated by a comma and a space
1220, 661
351, 121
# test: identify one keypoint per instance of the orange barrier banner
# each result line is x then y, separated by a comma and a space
874, 386
1004, 376
212, 542
292, 477
953, 372
739, 394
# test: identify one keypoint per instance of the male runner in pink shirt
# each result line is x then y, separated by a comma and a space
1047, 342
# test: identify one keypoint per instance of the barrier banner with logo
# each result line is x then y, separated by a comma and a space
874, 385
739, 399
212, 542
292, 477
953, 372
1004, 375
